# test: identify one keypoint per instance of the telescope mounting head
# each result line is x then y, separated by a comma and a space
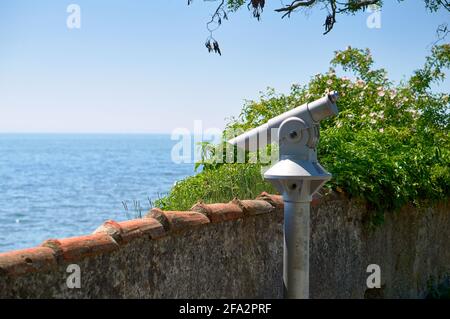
297, 175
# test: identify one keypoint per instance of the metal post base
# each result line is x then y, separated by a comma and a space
296, 250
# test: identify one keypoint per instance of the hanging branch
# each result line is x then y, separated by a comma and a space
331, 18
212, 25
221, 14
257, 6
441, 33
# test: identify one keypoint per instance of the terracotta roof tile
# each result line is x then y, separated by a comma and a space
275, 200
23, 261
219, 212
126, 231
76, 248
256, 207
177, 221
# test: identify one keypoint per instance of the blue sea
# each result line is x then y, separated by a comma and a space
55, 186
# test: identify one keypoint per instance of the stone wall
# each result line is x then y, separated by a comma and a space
235, 250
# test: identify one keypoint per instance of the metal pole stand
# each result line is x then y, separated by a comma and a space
297, 176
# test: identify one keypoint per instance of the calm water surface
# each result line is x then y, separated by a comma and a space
54, 186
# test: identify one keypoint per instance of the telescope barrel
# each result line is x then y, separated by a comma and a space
254, 139
311, 113
324, 107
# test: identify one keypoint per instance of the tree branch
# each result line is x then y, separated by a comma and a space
331, 18
216, 16
334, 7
356, 5
295, 5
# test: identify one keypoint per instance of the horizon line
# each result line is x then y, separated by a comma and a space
86, 133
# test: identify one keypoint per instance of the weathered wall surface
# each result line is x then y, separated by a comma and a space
411, 247
235, 250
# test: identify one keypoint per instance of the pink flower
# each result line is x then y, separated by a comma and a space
393, 93
360, 83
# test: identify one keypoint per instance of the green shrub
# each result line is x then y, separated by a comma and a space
215, 186
389, 144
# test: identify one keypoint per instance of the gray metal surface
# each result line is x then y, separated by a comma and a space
297, 176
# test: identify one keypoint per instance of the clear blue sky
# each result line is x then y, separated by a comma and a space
140, 66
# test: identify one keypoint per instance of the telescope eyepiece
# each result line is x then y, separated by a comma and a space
333, 96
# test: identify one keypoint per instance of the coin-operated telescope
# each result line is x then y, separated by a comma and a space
297, 176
